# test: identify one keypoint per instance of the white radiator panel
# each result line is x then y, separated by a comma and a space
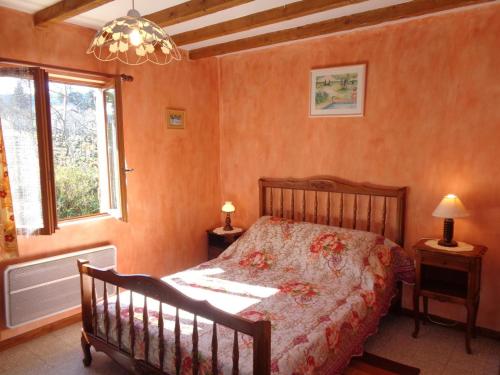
48, 286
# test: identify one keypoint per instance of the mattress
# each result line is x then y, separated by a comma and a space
323, 288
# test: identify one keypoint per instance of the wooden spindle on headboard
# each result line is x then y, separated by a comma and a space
131, 327
161, 340
271, 201
341, 208
106, 312
369, 218
303, 205
177, 331
145, 327
292, 204
118, 318
355, 211
281, 202
316, 207
94, 306
196, 363
236, 354
328, 208
215, 369
384, 215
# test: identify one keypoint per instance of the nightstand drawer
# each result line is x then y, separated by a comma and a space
445, 261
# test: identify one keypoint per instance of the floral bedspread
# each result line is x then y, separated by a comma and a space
323, 288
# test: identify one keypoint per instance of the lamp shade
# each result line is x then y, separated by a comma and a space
228, 207
133, 40
450, 207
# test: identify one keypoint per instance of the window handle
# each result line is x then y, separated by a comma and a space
128, 170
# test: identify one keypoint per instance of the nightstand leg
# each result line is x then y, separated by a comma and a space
426, 309
416, 312
476, 307
470, 321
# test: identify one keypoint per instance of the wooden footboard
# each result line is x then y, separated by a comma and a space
160, 291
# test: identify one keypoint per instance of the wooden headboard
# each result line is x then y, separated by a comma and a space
334, 201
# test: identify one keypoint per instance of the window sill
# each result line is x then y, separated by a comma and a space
82, 220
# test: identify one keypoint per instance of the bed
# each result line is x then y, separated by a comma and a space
298, 293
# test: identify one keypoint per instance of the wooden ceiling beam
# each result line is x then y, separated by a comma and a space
279, 14
191, 9
65, 9
369, 18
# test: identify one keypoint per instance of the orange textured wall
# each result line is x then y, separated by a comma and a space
432, 123
173, 195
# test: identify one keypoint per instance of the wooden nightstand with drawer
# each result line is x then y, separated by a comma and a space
219, 240
448, 276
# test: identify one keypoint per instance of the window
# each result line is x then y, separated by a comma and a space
63, 145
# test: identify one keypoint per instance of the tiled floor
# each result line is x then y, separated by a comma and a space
437, 351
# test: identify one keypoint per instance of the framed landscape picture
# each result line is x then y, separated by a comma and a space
176, 119
338, 91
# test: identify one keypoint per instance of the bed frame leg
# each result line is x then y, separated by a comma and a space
87, 356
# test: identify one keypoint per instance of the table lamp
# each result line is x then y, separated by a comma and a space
228, 207
449, 208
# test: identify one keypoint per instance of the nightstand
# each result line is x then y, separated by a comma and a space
448, 276
219, 240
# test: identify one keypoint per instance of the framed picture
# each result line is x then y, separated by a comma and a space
176, 119
338, 91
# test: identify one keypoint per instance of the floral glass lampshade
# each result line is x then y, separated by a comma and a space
133, 40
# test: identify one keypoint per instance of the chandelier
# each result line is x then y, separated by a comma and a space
133, 40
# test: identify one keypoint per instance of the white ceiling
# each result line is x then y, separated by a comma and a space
98, 16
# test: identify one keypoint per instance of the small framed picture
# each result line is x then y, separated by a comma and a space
176, 119
338, 91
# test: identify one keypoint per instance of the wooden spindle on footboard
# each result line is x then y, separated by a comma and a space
215, 368
94, 307
106, 312
196, 363
118, 318
292, 204
177, 332
131, 331
161, 342
145, 326
236, 354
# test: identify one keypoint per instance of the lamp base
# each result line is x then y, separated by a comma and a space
447, 239
228, 226
445, 243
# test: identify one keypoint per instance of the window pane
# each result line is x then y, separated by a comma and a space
112, 149
75, 120
18, 114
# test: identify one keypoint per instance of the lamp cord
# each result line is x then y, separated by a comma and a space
444, 324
